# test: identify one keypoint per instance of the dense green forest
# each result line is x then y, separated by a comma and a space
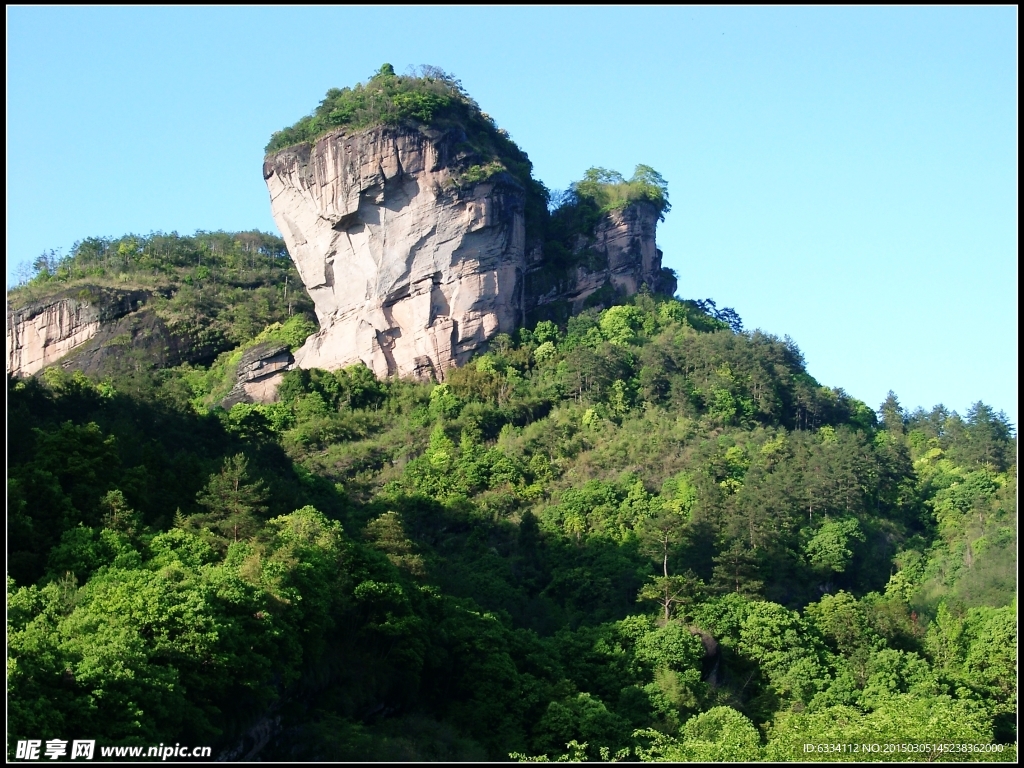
646, 534
638, 533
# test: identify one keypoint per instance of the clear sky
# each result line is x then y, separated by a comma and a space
847, 176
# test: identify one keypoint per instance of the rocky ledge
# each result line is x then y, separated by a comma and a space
43, 332
259, 374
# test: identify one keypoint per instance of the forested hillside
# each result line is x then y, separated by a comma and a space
648, 534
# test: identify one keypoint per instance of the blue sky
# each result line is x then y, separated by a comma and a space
847, 176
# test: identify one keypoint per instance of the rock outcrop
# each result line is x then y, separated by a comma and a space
617, 260
103, 332
46, 331
412, 269
259, 374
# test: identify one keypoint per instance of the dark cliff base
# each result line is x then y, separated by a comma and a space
140, 341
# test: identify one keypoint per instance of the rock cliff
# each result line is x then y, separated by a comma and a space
412, 267
42, 334
101, 332
616, 260
410, 270
46, 331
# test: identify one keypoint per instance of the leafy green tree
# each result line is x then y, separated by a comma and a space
234, 503
388, 534
83, 460
989, 438
361, 387
118, 516
581, 717
444, 403
789, 655
673, 653
846, 626
736, 569
620, 325
891, 672
991, 669
660, 532
671, 591
545, 332
892, 414
829, 549
610, 190
719, 735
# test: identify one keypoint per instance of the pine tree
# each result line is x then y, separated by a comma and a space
234, 504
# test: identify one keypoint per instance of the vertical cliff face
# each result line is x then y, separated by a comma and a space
410, 270
626, 238
43, 333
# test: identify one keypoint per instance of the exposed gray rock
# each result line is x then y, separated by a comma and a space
43, 332
259, 374
410, 272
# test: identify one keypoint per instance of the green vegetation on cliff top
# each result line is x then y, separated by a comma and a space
430, 98
610, 191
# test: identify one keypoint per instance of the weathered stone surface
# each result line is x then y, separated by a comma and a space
39, 336
623, 245
259, 374
409, 272
44, 332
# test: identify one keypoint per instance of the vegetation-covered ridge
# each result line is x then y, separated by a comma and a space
645, 534
431, 98
610, 190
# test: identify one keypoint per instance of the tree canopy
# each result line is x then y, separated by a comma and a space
645, 533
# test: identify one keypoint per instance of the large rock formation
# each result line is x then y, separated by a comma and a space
412, 268
414, 257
